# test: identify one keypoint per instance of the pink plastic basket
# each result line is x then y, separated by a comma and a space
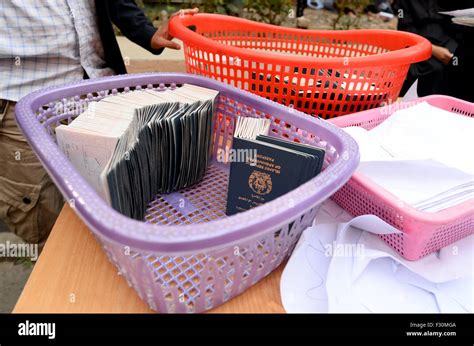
423, 232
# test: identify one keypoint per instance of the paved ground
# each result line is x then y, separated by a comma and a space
135, 52
324, 19
143, 61
13, 275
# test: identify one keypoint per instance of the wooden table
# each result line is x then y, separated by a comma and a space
73, 275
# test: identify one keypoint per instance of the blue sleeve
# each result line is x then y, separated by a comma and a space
133, 23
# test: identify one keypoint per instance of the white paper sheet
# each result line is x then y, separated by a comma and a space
424, 132
417, 181
468, 12
467, 21
412, 93
366, 275
420, 154
369, 148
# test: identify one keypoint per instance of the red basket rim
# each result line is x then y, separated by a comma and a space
417, 47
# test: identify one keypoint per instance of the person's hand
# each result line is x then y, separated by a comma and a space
442, 54
162, 38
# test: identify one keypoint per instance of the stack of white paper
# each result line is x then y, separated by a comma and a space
341, 265
422, 155
462, 17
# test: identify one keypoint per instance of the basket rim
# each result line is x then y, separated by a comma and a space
106, 222
418, 48
435, 219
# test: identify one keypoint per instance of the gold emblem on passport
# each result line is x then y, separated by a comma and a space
260, 183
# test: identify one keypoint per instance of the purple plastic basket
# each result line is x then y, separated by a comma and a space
188, 256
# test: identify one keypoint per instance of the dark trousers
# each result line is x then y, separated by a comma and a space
300, 6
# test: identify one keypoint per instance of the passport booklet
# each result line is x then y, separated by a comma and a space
132, 146
274, 166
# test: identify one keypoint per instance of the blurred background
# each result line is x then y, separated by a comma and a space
318, 14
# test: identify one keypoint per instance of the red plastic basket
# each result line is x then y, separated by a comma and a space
324, 73
423, 232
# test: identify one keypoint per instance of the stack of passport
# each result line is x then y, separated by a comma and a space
133, 146
272, 167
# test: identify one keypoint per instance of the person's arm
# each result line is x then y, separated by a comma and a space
412, 17
442, 54
133, 23
162, 38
